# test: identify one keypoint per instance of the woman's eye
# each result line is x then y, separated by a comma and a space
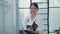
31, 8
34, 8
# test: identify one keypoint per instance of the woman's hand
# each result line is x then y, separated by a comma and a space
30, 29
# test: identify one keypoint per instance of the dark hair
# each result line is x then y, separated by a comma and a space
34, 4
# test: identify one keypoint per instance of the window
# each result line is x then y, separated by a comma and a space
54, 12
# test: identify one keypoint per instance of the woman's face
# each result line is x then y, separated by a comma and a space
33, 9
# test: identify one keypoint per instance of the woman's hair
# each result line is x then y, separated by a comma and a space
34, 4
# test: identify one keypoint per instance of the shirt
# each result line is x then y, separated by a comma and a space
28, 21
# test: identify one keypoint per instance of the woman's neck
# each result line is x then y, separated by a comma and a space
33, 17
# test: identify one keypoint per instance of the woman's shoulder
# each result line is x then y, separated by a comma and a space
28, 17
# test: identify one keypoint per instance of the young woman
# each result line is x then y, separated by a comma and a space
30, 20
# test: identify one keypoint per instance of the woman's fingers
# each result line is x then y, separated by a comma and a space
29, 28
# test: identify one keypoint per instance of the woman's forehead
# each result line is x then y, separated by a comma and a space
33, 6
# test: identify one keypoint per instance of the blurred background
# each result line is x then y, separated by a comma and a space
14, 12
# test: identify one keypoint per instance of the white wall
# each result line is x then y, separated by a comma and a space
8, 17
1, 18
54, 18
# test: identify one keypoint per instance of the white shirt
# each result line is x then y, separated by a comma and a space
28, 21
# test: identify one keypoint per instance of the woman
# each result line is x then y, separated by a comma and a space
30, 20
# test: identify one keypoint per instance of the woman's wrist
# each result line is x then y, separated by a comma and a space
34, 31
